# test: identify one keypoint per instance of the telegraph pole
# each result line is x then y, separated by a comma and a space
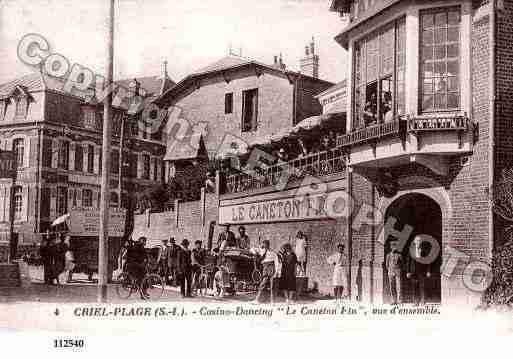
103, 242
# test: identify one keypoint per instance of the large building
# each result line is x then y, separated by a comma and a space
56, 137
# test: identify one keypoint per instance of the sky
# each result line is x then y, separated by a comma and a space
189, 34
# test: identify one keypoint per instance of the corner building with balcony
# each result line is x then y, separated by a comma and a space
428, 133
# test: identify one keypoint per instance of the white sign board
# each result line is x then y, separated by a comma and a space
86, 222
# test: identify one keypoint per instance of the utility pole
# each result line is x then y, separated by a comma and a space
103, 242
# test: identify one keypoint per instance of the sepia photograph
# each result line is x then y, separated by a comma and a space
283, 164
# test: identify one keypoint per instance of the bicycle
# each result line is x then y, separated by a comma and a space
150, 287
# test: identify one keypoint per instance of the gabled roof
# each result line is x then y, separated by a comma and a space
153, 85
338, 86
230, 63
191, 147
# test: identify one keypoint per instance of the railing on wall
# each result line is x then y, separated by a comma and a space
319, 164
374, 132
439, 123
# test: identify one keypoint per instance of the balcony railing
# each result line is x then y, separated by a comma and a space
439, 123
318, 164
373, 132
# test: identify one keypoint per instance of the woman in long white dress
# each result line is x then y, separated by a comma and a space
338, 261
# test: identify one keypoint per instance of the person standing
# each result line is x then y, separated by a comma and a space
288, 272
197, 261
301, 246
162, 260
185, 269
172, 260
339, 280
394, 267
243, 239
418, 271
69, 260
46, 259
60, 249
269, 263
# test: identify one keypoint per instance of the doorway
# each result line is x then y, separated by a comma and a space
424, 215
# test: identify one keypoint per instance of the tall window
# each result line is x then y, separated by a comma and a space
18, 147
62, 200
90, 158
21, 107
87, 198
156, 164
146, 167
379, 64
249, 110
114, 199
18, 202
440, 56
64, 155
114, 161
228, 103
79, 157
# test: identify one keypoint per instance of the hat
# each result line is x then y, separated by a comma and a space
185, 242
340, 245
282, 150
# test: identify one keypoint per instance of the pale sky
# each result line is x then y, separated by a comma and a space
188, 33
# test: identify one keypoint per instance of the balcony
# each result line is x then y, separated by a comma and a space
320, 164
426, 139
373, 133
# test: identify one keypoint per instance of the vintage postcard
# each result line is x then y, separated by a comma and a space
272, 166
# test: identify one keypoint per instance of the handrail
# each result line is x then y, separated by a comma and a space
371, 132
439, 123
322, 163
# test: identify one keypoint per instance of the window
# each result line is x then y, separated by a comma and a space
155, 169
79, 157
379, 63
114, 163
228, 103
62, 200
440, 54
87, 198
146, 167
114, 199
21, 107
18, 202
64, 155
249, 110
74, 198
47, 152
90, 158
18, 147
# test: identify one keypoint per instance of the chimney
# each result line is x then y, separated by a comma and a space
275, 61
281, 64
309, 65
163, 73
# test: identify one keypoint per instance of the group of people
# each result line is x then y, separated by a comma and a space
302, 149
370, 110
177, 264
415, 268
56, 257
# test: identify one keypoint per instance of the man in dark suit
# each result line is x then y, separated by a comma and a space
184, 269
226, 238
418, 271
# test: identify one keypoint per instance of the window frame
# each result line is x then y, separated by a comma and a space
89, 198
17, 193
90, 158
63, 154
19, 155
447, 59
254, 121
62, 200
228, 103
79, 160
364, 82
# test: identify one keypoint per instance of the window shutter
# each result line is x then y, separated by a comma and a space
139, 165
53, 203
24, 210
3, 201
7, 203
152, 167
71, 164
55, 153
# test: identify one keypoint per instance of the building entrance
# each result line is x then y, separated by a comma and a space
419, 280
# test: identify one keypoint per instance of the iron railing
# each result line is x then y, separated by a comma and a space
374, 132
319, 164
439, 123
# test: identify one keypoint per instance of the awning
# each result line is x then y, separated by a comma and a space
190, 147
